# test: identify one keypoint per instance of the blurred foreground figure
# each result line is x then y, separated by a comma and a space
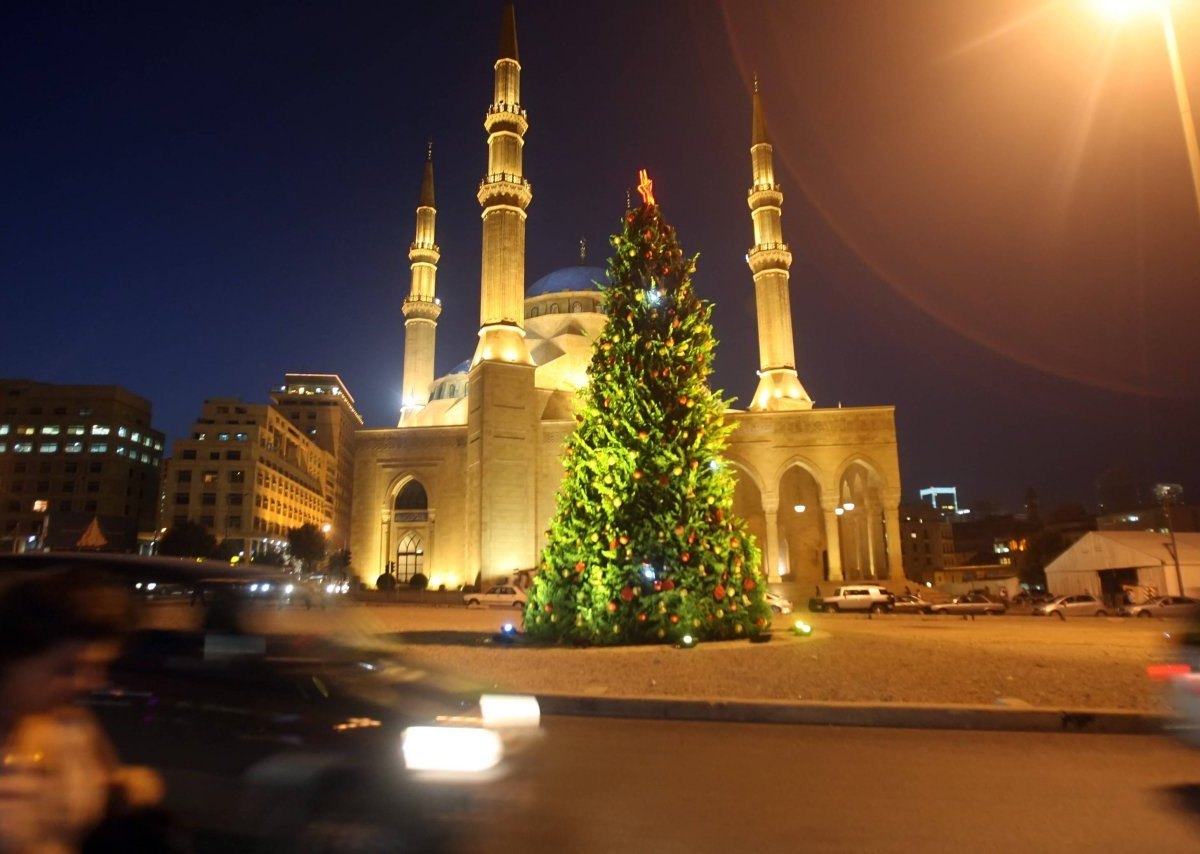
60, 779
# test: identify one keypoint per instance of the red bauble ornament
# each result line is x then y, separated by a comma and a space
674, 618
720, 514
548, 608
641, 618
662, 480
657, 586
685, 557
668, 585
612, 606
637, 474
735, 542
627, 594
719, 592
580, 567
748, 584
679, 530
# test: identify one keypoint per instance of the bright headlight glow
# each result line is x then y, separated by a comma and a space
288, 589
509, 710
451, 749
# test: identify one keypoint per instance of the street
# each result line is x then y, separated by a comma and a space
656, 786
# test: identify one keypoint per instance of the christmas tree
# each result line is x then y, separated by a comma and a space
644, 547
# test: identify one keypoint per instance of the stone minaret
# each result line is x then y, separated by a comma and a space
779, 387
504, 194
502, 403
421, 308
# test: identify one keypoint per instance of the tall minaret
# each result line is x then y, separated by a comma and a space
421, 308
503, 406
504, 194
779, 387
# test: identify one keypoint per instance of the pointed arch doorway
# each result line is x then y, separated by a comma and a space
411, 532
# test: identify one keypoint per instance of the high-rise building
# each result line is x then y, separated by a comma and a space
74, 457
248, 475
321, 407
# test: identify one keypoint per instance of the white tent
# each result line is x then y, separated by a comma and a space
1144, 555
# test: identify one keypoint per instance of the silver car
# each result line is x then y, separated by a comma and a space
1164, 606
969, 603
1075, 605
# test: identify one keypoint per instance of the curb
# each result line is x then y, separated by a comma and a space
894, 715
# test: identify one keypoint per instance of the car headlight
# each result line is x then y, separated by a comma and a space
451, 749
510, 710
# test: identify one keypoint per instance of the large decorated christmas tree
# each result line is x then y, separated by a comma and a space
644, 546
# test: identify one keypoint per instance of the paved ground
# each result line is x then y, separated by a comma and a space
602, 785
1081, 663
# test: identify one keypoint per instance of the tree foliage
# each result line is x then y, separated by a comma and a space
644, 546
307, 545
187, 539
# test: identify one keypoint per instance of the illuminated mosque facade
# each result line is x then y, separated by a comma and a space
463, 489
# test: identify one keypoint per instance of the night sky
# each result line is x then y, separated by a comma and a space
989, 203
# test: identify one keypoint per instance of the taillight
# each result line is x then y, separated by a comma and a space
1165, 672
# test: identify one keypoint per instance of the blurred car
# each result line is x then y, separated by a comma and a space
969, 603
1164, 606
497, 596
910, 603
778, 604
287, 743
1182, 677
1077, 605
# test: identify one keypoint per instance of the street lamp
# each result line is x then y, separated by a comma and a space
1120, 10
1167, 494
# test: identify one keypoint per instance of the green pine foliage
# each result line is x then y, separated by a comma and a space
644, 547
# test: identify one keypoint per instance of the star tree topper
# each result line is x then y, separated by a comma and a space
645, 187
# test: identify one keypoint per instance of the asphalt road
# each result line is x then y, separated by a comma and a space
656, 786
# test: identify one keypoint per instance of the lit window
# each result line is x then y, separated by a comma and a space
73, 447
135, 438
40, 506
222, 437
3, 447
158, 446
210, 476
76, 430
51, 429
120, 450
3, 429
122, 432
23, 447
101, 429
99, 448
201, 436
242, 437
25, 431
48, 448
145, 458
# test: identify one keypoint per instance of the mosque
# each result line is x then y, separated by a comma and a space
463, 488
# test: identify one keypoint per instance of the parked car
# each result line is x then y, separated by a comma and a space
498, 596
778, 604
1077, 605
910, 603
1026, 599
1164, 606
873, 598
969, 603
280, 743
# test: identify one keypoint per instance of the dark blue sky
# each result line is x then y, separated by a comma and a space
989, 203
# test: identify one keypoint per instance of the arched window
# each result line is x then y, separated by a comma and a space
533, 312
410, 556
553, 308
412, 497
576, 307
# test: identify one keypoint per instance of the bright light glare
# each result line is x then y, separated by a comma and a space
450, 749
1123, 9
510, 710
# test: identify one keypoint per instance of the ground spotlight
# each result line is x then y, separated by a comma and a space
687, 642
507, 635
802, 629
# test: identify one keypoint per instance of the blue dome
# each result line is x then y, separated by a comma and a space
578, 278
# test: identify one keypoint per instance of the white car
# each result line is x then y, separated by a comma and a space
1079, 605
499, 596
778, 604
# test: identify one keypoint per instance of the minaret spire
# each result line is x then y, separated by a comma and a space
422, 307
779, 385
504, 194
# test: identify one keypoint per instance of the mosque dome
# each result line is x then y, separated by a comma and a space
577, 278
